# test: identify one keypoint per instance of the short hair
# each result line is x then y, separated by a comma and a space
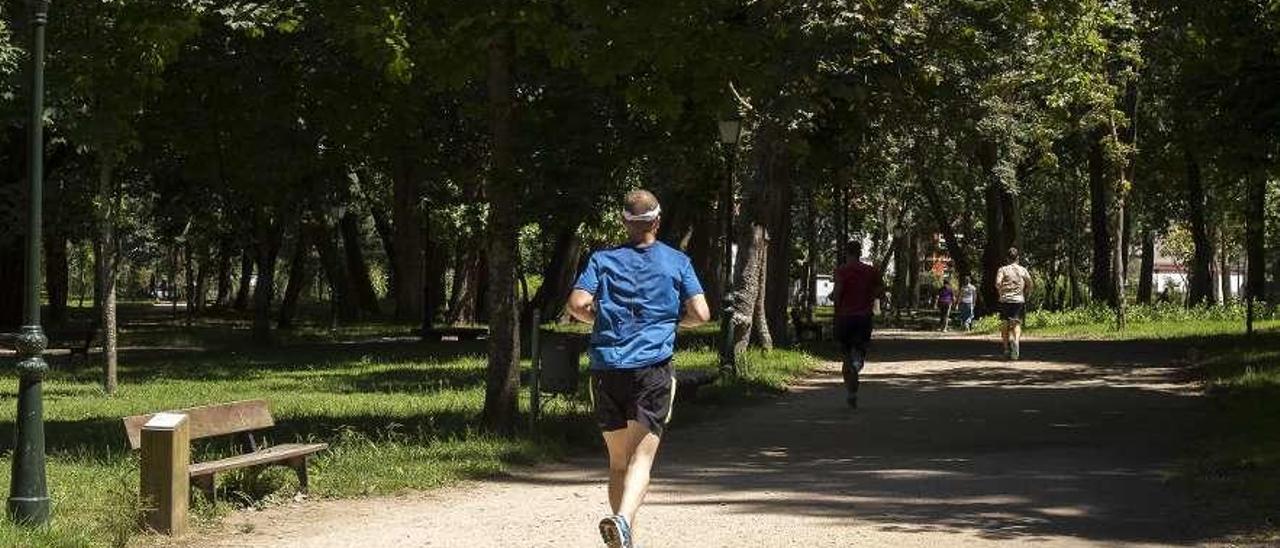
853, 248
640, 201
1013, 254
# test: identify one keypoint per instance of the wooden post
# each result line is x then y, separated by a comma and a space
166, 486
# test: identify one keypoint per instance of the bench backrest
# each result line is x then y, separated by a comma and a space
210, 420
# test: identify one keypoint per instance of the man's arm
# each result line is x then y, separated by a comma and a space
696, 311
582, 305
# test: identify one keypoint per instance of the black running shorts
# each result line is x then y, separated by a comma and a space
645, 395
853, 331
1013, 311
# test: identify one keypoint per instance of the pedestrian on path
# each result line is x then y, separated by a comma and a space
634, 295
857, 285
968, 298
946, 300
1013, 283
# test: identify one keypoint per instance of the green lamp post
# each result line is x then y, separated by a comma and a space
730, 132
28, 492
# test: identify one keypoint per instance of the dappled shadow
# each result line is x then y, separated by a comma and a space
996, 450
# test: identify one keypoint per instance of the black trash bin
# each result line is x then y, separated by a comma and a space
560, 355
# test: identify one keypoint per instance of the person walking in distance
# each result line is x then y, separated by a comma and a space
634, 295
968, 298
1013, 284
857, 285
946, 300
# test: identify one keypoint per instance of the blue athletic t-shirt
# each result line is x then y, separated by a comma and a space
638, 293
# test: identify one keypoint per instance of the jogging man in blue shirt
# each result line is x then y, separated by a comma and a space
634, 295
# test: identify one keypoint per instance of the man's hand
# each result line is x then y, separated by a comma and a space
582, 305
696, 312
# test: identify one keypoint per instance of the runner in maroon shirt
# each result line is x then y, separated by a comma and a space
857, 285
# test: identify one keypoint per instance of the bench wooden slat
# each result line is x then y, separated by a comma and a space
210, 420
275, 453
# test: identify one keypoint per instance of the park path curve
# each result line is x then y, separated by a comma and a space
953, 447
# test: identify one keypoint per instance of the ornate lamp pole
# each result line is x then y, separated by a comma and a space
730, 132
28, 493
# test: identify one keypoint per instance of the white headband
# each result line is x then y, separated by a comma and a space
651, 215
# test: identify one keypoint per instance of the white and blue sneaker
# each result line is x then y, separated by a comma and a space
615, 532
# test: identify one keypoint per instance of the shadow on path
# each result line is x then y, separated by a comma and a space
949, 441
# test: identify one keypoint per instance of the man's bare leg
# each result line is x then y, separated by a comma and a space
1017, 339
632, 451
1004, 335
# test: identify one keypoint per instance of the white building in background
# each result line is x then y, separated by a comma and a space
1171, 274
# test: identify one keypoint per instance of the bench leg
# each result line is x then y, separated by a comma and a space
206, 485
299, 466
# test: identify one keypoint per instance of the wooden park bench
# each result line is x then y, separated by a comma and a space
243, 418
76, 341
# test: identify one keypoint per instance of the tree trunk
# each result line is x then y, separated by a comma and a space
993, 253
1102, 281
224, 274
503, 379
901, 264
105, 259
462, 300
754, 233
913, 269
57, 274
1118, 259
246, 281
1255, 241
360, 284
1200, 284
299, 277
267, 234
747, 284
763, 336
1224, 267
559, 275
382, 225
1147, 274
434, 296
343, 306
811, 262
410, 261
777, 286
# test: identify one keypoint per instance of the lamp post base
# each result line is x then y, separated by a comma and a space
29, 511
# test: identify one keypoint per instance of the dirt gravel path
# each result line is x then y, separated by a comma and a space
952, 447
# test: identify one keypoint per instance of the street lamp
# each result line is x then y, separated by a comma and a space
28, 492
730, 132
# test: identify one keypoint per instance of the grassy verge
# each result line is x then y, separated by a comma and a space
399, 414
1165, 321
1236, 472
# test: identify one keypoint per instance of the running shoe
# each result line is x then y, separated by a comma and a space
615, 532
852, 401
1013, 353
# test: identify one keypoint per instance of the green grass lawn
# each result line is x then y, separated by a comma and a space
398, 413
